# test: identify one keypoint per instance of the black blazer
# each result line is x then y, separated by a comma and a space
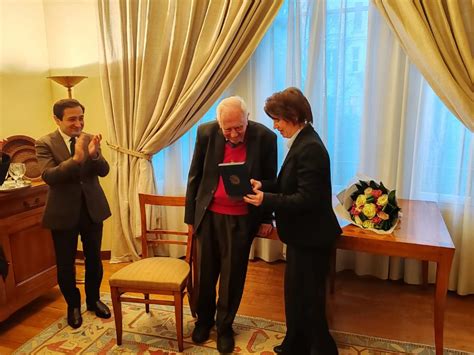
302, 198
204, 174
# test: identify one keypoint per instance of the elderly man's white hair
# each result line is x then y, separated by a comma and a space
232, 101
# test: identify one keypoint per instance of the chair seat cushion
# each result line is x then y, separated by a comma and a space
158, 273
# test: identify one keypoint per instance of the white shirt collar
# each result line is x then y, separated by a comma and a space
291, 140
66, 139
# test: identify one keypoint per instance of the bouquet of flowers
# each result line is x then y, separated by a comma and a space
369, 205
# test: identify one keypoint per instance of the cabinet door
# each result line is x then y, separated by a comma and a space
30, 252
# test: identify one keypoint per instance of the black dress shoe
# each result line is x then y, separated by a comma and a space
100, 309
201, 333
74, 318
225, 343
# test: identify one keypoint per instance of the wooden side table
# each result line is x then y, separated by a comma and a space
422, 235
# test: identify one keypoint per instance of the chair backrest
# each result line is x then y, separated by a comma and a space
164, 201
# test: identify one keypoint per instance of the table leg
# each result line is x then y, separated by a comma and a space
424, 273
442, 278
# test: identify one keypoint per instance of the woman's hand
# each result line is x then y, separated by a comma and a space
256, 184
256, 199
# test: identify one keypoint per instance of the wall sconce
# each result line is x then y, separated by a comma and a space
68, 81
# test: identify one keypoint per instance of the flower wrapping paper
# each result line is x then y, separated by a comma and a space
346, 201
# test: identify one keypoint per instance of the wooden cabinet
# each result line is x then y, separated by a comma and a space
27, 247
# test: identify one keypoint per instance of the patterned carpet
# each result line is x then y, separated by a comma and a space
154, 333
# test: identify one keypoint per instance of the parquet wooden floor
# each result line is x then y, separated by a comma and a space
363, 305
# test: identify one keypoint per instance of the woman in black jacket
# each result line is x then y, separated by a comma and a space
302, 200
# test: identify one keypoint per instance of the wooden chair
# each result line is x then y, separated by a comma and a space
155, 275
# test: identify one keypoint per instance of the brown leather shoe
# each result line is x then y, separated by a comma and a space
74, 318
100, 309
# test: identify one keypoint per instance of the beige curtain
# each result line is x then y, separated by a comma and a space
163, 65
437, 35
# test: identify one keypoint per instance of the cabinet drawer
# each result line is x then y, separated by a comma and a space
12, 203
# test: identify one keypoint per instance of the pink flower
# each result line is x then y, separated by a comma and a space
376, 220
355, 211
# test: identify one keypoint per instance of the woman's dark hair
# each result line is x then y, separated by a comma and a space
61, 105
290, 105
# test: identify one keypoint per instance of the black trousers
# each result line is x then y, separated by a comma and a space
65, 246
305, 302
223, 246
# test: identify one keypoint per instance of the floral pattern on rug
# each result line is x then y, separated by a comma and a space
155, 333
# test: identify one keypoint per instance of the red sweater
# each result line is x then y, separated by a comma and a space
222, 203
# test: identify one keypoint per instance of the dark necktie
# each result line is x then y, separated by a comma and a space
72, 145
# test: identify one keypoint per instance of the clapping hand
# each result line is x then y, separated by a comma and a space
80, 148
87, 144
94, 146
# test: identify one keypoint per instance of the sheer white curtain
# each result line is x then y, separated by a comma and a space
413, 143
375, 113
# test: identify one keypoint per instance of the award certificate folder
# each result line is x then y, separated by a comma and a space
236, 179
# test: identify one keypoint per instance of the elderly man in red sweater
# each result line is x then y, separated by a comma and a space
224, 226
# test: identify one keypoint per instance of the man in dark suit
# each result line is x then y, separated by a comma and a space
224, 227
71, 162
302, 200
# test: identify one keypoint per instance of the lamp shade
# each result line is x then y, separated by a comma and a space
68, 81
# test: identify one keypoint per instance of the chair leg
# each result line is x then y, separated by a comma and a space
178, 310
117, 307
147, 305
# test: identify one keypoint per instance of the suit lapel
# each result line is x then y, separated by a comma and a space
59, 146
219, 146
251, 145
294, 147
